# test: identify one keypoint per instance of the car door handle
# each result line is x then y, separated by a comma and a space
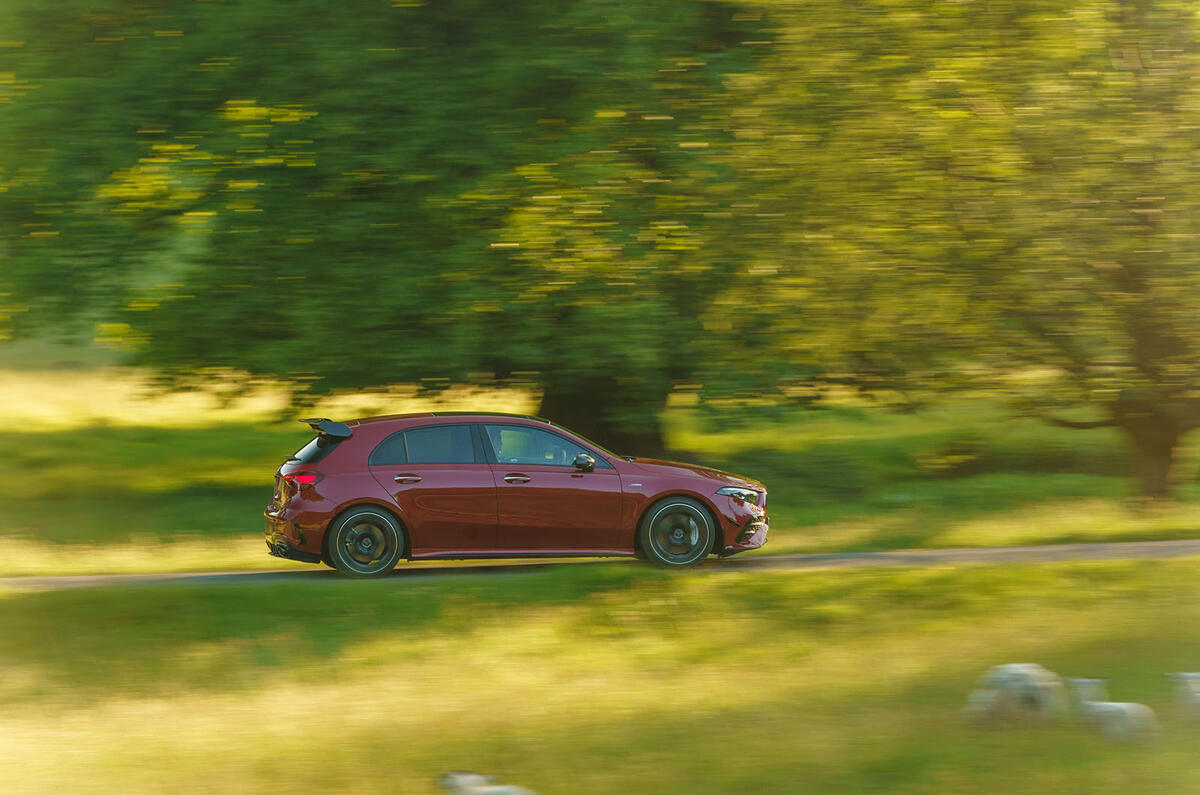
407, 478
516, 478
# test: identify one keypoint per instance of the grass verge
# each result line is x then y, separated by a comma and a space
592, 679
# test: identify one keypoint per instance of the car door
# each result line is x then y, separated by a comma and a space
438, 476
544, 503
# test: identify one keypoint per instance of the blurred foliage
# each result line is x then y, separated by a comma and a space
430, 193
1016, 182
610, 200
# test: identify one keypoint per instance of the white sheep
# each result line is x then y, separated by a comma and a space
1187, 692
464, 782
1016, 691
1117, 720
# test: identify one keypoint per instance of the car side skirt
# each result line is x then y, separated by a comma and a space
467, 554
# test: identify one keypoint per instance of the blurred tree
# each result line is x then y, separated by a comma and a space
467, 191
1108, 277
606, 199
1009, 184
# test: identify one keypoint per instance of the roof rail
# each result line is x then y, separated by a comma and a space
489, 414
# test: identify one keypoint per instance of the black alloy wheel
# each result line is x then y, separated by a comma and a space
676, 532
365, 542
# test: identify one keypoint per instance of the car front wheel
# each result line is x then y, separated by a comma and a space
677, 531
365, 542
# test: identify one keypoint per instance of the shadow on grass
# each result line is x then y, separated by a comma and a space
860, 469
879, 716
185, 450
104, 484
985, 510
114, 515
313, 573
109, 641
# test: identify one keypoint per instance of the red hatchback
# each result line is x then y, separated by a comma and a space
364, 494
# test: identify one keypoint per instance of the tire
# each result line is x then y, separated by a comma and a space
676, 532
365, 542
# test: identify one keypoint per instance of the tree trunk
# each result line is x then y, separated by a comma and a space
591, 408
1154, 441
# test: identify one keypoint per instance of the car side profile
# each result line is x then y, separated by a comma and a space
361, 495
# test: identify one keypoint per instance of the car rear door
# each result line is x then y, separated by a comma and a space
544, 503
438, 476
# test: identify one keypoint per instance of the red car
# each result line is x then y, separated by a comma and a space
364, 494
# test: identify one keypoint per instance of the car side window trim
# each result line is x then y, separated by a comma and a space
477, 447
482, 443
602, 461
477, 441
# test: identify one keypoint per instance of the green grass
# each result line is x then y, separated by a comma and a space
126, 499
100, 484
183, 489
592, 679
584, 678
963, 473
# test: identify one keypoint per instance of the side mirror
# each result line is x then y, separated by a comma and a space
584, 462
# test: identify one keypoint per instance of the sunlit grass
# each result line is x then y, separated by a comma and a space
102, 476
592, 679
24, 557
965, 472
1081, 520
45, 400
987, 510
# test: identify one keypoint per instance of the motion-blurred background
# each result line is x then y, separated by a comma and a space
927, 269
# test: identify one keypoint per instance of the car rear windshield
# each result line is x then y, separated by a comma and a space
320, 446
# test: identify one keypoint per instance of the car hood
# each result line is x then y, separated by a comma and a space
658, 467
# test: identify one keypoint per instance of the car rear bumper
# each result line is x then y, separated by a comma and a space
286, 538
280, 548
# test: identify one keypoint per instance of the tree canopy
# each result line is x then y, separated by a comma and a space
606, 200
428, 193
1005, 184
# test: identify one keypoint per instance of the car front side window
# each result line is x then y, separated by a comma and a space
518, 444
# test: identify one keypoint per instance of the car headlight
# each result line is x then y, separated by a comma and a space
745, 495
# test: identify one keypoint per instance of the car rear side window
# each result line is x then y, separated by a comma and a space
439, 444
389, 452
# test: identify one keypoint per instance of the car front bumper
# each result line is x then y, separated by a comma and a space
752, 535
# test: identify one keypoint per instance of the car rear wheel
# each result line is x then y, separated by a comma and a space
676, 532
365, 542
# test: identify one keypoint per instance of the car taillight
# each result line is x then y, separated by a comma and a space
302, 480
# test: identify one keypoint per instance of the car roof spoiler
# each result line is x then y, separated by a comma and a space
326, 427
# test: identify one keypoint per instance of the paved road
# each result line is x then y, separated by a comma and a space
847, 560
